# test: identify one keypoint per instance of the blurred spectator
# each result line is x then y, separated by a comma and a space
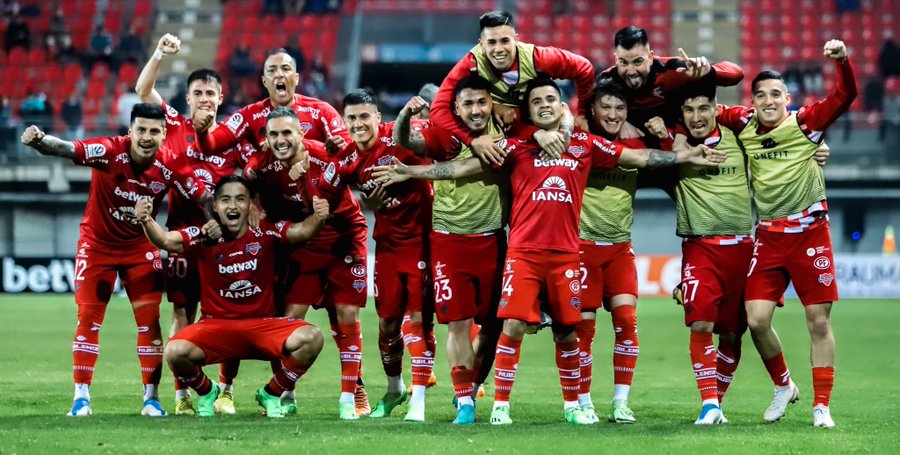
58, 24
18, 34
124, 104
7, 131
50, 47
240, 64
889, 59
847, 6
321, 6
233, 101
67, 53
316, 83
36, 110
293, 49
273, 7
294, 7
131, 47
73, 115
101, 47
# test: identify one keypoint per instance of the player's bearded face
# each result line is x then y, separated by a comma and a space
545, 107
610, 113
280, 79
362, 122
699, 116
146, 136
204, 95
284, 137
499, 43
770, 99
633, 65
474, 108
232, 205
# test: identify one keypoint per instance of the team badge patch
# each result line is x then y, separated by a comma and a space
575, 302
306, 126
576, 150
94, 151
358, 270
821, 263
359, 285
385, 160
253, 248
826, 279
156, 187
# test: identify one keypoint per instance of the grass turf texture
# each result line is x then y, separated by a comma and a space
36, 391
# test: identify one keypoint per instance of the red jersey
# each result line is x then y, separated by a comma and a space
407, 216
546, 201
237, 276
555, 62
286, 199
117, 183
317, 118
208, 168
657, 97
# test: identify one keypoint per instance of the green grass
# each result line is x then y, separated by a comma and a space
36, 390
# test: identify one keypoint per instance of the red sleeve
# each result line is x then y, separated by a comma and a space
440, 144
734, 118
441, 111
98, 152
562, 64
605, 154
192, 237
226, 135
821, 114
728, 74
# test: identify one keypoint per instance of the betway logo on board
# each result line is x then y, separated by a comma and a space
239, 267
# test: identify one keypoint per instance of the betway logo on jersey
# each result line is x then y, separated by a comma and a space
553, 189
239, 267
564, 162
130, 195
240, 289
214, 159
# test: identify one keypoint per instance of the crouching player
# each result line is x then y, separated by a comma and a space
237, 273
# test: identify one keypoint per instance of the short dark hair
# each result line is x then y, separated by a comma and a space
148, 110
360, 96
473, 82
605, 86
280, 50
233, 178
282, 111
631, 36
205, 75
765, 75
542, 80
706, 86
495, 19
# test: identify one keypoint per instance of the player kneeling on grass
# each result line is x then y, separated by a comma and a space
237, 301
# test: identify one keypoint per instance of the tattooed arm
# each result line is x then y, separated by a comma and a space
446, 170
700, 154
403, 136
46, 144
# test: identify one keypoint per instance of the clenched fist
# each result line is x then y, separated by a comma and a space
32, 136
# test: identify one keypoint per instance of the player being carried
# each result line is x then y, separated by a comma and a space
126, 169
238, 306
541, 261
182, 281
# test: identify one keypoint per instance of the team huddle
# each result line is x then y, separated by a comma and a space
498, 211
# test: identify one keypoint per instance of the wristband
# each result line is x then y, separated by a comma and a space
158, 54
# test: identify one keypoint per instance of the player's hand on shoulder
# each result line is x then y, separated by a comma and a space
552, 143
255, 216
334, 144
695, 67
701, 154
143, 210
415, 105
487, 150
169, 44
212, 230
629, 131
821, 155
657, 127
505, 115
202, 120
835, 49
32, 136
320, 208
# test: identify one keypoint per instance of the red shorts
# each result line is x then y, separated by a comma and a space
324, 279
805, 258
139, 268
712, 283
466, 275
529, 275
606, 271
402, 280
232, 339
182, 280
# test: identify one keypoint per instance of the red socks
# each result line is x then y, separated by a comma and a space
823, 382
86, 345
149, 342
391, 350
727, 361
778, 370
462, 378
703, 358
197, 380
626, 349
505, 364
421, 359
349, 343
569, 372
585, 331
286, 376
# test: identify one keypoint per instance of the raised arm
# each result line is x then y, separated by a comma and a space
562, 64
146, 83
403, 134
446, 170
46, 144
821, 114
171, 241
305, 230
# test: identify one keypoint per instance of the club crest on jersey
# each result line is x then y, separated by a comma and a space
385, 160
253, 248
156, 187
306, 126
553, 189
826, 279
576, 150
575, 302
359, 285
92, 151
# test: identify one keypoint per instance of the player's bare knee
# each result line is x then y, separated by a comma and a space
514, 328
564, 333
307, 339
390, 325
346, 314
702, 326
178, 351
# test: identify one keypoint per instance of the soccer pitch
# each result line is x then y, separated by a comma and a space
36, 391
